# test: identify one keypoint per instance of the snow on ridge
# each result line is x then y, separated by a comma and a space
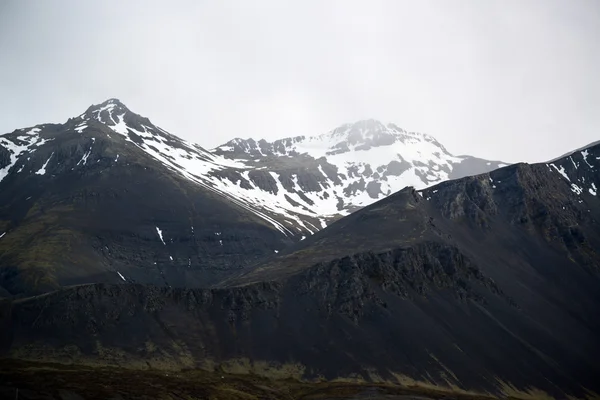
81, 128
578, 183
108, 107
29, 140
193, 163
199, 165
121, 126
561, 171
352, 149
585, 154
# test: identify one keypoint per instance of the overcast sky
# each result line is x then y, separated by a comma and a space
515, 80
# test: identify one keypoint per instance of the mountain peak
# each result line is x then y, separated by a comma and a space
112, 101
105, 111
364, 124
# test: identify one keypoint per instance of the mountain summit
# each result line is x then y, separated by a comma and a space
354, 165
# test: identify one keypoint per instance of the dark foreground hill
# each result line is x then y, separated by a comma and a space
489, 283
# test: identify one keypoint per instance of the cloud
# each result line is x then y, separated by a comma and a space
512, 80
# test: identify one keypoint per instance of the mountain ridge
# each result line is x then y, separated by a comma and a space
123, 245
403, 289
298, 195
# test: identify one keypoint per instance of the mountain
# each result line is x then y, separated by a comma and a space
89, 201
488, 283
334, 174
108, 197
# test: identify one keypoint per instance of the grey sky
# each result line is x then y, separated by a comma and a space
512, 79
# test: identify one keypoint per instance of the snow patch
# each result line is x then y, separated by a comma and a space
122, 277
160, 235
575, 165
584, 154
28, 142
561, 171
42, 171
81, 128
84, 159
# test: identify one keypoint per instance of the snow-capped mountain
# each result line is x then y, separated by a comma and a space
480, 271
352, 166
297, 184
300, 184
109, 196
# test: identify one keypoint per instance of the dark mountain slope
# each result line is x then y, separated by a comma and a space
487, 283
83, 204
88, 200
539, 201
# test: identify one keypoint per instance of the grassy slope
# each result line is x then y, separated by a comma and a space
54, 381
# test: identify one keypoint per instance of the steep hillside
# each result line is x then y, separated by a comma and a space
84, 202
488, 283
108, 196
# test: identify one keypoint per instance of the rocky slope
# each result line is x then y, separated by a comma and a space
83, 202
487, 283
108, 196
